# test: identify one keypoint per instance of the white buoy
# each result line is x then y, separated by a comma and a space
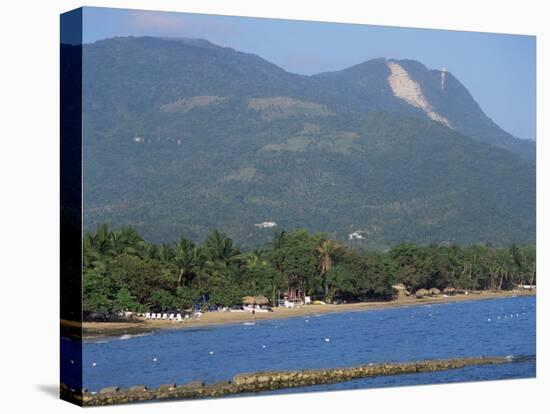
307, 320
489, 320
327, 339
211, 352
93, 364
72, 362
154, 360
263, 346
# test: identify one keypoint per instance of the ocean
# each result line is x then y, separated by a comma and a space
493, 327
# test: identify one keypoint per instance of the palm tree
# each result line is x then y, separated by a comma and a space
201, 268
255, 258
327, 250
257, 270
132, 241
102, 241
147, 252
277, 245
219, 247
165, 252
97, 248
118, 243
92, 257
279, 238
185, 258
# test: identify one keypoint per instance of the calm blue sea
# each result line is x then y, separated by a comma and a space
497, 327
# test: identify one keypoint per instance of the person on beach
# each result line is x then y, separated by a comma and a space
253, 314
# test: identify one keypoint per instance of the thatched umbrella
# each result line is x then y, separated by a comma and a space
434, 291
261, 300
249, 300
401, 290
421, 292
449, 289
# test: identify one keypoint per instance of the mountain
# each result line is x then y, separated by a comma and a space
183, 136
442, 93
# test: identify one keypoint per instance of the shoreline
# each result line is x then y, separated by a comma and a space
94, 330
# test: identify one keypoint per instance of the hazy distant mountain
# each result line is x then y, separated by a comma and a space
183, 136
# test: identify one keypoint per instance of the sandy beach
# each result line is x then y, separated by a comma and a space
99, 329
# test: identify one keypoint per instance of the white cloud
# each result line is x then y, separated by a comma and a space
178, 24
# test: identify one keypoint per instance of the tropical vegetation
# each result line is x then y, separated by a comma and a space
122, 271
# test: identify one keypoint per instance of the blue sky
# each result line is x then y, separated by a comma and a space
498, 69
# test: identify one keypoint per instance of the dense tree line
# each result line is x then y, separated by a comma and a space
124, 272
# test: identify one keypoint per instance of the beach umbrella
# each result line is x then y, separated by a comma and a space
249, 300
261, 300
449, 289
421, 292
434, 291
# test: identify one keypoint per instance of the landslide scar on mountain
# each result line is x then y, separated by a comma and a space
186, 104
284, 106
408, 90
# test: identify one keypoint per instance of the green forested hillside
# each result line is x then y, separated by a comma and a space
182, 137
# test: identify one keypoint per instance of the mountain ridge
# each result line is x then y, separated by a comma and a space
200, 44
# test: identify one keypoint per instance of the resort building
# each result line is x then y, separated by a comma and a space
355, 236
266, 224
293, 298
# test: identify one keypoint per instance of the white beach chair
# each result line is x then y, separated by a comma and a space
155, 316
178, 317
164, 316
171, 317
147, 315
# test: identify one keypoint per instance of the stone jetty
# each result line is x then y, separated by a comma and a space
268, 381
